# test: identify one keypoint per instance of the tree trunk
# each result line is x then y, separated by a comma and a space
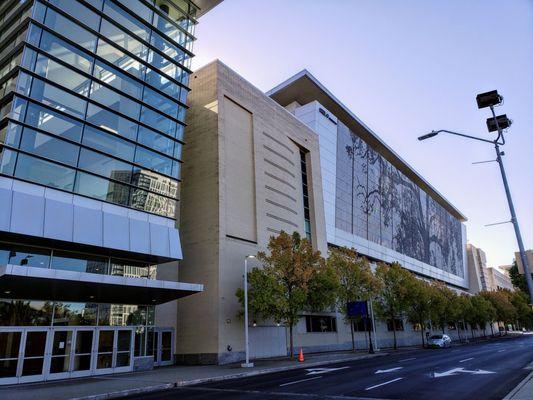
291, 345
353, 338
394, 332
370, 345
472, 330
491, 330
422, 334
458, 331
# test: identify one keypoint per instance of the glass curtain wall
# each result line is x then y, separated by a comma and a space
375, 201
98, 104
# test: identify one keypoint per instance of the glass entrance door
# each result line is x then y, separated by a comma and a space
60, 357
83, 352
9, 356
162, 340
33, 356
114, 350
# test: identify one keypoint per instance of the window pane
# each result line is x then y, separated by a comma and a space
108, 143
79, 263
117, 79
166, 47
106, 166
25, 313
158, 81
127, 42
57, 98
129, 269
101, 189
53, 122
158, 121
126, 20
153, 161
49, 147
64, 76
26, 256
115, 101
160, 102
70, 30
75, 314
44, 172
139, 9
10, 134
150, 202
120, 59
78, 11
64, 51
7, 161
111, 121
156, 141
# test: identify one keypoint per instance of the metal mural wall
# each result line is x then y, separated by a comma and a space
375, 201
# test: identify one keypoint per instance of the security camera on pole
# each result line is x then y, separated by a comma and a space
497, 123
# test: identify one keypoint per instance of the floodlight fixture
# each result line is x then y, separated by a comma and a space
501, 122
488, 99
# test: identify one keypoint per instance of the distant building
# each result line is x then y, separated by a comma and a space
483, 277
529, 255
499, 279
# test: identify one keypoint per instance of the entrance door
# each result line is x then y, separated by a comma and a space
114, 350
82, 362
61, 354
33, 357
10, 349
162, 340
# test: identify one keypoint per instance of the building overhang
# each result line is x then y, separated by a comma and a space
205, 6
304, 88
32, 283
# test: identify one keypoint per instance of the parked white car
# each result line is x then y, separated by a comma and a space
439, 341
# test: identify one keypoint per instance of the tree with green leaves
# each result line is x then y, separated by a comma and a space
481, 313
355, 281
419, 300
519, 280
294, 278
393, 299
524, 313
463, 309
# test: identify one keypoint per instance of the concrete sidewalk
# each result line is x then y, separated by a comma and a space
118, 385
524, 390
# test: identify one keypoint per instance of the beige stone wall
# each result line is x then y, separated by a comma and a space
242, 184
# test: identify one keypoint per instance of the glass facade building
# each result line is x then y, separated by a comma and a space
93, 99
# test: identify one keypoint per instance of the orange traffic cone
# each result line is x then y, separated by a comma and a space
301, 355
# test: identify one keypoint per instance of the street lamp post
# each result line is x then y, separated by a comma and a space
490, 99
247, 363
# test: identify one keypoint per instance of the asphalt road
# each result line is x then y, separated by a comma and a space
487, 370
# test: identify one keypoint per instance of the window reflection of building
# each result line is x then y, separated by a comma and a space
148, 201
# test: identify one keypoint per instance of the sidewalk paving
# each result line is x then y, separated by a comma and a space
118, 385
524, 390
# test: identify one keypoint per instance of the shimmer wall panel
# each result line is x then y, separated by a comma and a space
377, 202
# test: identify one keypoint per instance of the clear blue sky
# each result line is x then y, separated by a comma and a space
406, 67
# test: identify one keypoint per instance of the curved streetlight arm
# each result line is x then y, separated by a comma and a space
435, 133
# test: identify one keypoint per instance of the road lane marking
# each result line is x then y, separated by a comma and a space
383, 371
456, 371
384, 383
317, 371
466, 359
301, 380
407, 359
499, 351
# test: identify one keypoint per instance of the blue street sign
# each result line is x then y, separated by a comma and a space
357, 309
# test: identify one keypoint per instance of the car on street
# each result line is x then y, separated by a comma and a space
440, 341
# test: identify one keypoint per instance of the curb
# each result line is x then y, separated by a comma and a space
272, 370
513, 393
127, 392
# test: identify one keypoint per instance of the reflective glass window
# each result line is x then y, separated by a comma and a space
96, 4
54, 122
126, 20
25, 255
166, 66
58, 98
158, 81
153, 161
102, 189
160, 102
168, 48
44, 172
138, 8
124, 40
117, 79
64, 51
49, 147
62, 75
106, 166
151, 202
158, 121
111, 121
79, 262
130, 269
118, 58
70, 30
108, 143
10, 134
75, 314
78, 11
25, 312
156, 141
169, 29
8, 159
177, 150
114, 100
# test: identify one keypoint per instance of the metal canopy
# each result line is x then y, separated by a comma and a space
57, 285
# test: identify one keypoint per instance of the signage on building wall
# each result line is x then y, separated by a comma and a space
357, 309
